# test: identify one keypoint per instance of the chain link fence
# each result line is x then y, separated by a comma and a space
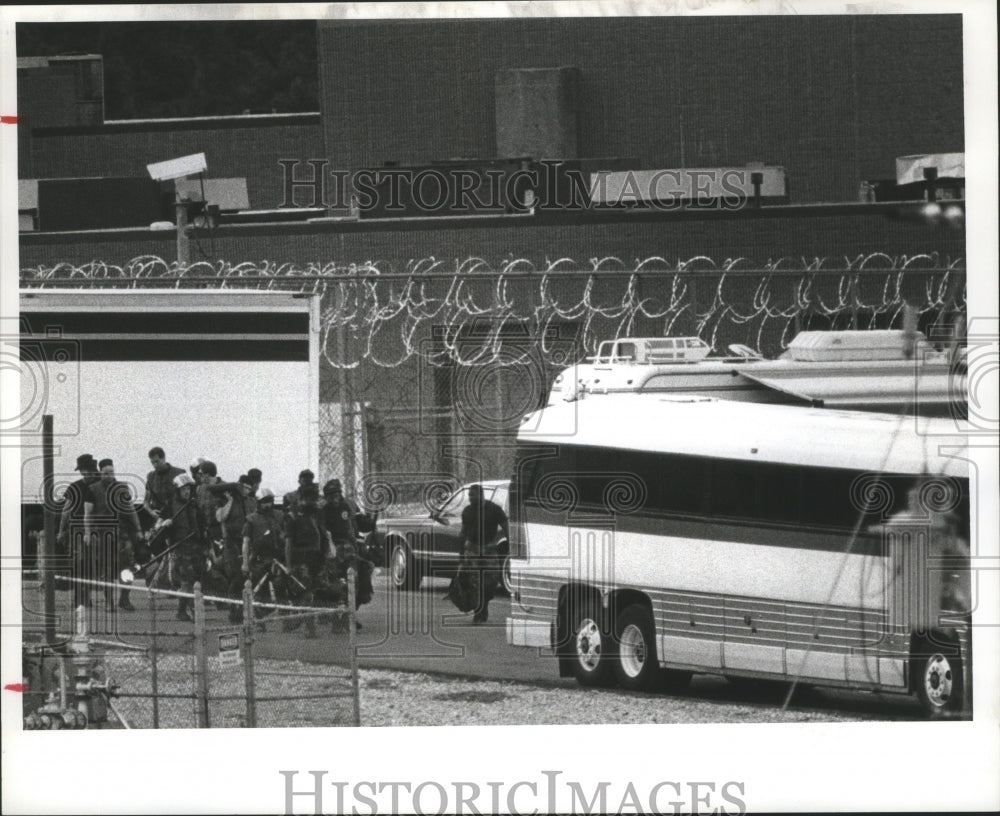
430, 368
153, 671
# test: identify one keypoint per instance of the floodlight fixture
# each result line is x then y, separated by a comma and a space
178, 168
171, 170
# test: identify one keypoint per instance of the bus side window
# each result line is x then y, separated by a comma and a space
776, 493
536, 464
626, 352
830, 499
679, 484
733, 488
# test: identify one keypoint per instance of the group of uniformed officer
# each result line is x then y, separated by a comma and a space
217, 533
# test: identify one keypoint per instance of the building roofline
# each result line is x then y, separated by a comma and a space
543, 218
247, 120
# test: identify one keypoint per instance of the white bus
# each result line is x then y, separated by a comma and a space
659, 536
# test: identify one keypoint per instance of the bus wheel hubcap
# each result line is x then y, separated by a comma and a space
588, 644
937, 680
633, 650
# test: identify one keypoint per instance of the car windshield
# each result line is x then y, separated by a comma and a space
455, 503
500, 497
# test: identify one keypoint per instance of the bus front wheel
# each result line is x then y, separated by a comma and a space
591, 648
938, 679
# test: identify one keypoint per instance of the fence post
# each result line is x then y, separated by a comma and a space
352, 643
154, 670
692, 283
248, 636
346, 397
364, 409
201, 658
47, 552
855, 299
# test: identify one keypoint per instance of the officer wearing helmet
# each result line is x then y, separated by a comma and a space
195, 467
307, 544
208, 476
187, 559
74, 532
338, 514
232, 515
342, 519
263, 538
307, 481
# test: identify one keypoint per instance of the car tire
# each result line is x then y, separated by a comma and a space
636, 665
403, 574
591, 647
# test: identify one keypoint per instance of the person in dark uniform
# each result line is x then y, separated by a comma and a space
159, 496
307, 481
209, 502
117, 525
208, 475
481, 521
74, 535
160, 484
307, 544
256, 477
342, 519
187, 561
233, 516
263, 538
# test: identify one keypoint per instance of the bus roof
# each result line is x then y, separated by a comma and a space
702, 426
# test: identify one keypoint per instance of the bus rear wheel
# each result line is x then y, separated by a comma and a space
591, 648
938, 679
636, 666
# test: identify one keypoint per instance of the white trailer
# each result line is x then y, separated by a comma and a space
877, 370
229, 375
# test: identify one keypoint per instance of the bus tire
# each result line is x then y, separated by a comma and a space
937, 678
591, 648
508, 579
636, 665
403, 572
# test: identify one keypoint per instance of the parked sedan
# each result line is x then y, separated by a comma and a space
419, 546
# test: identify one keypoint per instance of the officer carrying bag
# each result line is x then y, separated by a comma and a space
464, 589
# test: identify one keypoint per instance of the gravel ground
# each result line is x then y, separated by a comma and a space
394, 698
404, 698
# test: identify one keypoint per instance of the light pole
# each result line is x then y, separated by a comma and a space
172, 170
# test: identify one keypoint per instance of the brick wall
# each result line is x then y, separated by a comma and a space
250, 151
835, 238
834, 99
